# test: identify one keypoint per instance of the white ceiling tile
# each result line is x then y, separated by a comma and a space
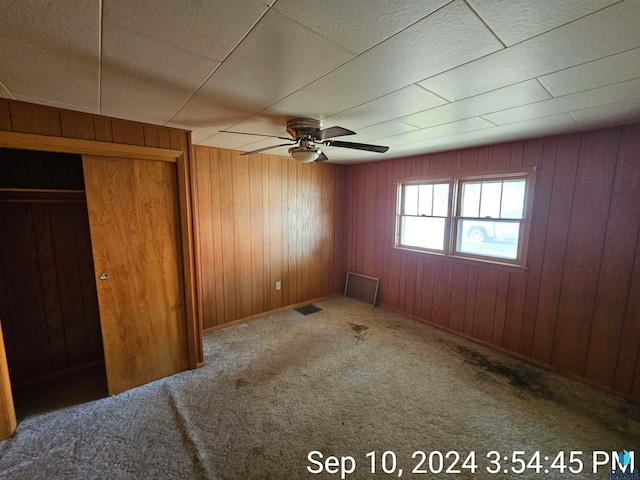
198, 136
4, 93
452, 128
609, 115
604, 33
258, 74
63, 26
349, 23
286, 58
629, 90
605, 71
381, 130
514, 95
530, 129
517, 20
51, 53
387, 107
449, 37
206, 28
147, 79
70, 81
300, 104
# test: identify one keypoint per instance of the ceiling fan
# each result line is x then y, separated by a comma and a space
308, 136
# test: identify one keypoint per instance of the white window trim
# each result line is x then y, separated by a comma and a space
450, 232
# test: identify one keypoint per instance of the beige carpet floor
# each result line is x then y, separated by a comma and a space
345, 381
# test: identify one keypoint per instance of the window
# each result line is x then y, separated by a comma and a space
483, 217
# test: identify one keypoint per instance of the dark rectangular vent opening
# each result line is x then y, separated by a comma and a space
307, 309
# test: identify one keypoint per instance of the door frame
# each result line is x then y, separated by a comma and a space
25, 141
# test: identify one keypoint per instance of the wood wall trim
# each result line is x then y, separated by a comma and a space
27, 141
8, 421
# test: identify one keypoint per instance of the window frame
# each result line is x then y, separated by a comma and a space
452, 220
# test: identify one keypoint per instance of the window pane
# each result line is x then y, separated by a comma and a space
490, 199
492, 239
470, 199
425, 204
441, 199
423, 232
513, 198
410, 200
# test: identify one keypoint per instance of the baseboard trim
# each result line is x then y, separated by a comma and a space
270, 312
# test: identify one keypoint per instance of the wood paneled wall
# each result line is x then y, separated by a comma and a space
264, 219
48, 298
20, 117
577, 307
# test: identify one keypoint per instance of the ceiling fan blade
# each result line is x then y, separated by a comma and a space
256, 134
322, 157
267, 148
320, 135
357, 146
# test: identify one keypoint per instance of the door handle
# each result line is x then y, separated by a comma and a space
103, 276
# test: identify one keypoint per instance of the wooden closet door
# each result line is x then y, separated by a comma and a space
135, 236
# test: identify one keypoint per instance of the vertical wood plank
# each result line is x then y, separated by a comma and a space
500, 317
458, 297
217, 239
66, 253
35, 119
614, 278
470, 304
228, 235
257, 236
26, 310
102, 127
292, 234
594, 182
129, 133
275, 230
266, 230
555, 246
49, 280
203, 184
442, 293
5, 116
77, 125
485, 307
241, 202
543, 155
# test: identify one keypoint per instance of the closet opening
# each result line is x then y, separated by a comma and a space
48, 300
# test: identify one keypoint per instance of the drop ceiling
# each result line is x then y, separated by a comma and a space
416, 75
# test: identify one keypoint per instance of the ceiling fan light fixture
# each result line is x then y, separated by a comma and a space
305, 154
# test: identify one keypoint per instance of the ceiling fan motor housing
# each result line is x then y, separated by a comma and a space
300, 128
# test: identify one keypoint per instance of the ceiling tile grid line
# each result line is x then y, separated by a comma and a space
419, 76
297, 7
221, 62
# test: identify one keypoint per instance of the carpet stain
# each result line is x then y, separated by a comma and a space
257, 451
360, 330
241, 382
520, 377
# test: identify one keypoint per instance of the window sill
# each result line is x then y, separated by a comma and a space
475, 262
